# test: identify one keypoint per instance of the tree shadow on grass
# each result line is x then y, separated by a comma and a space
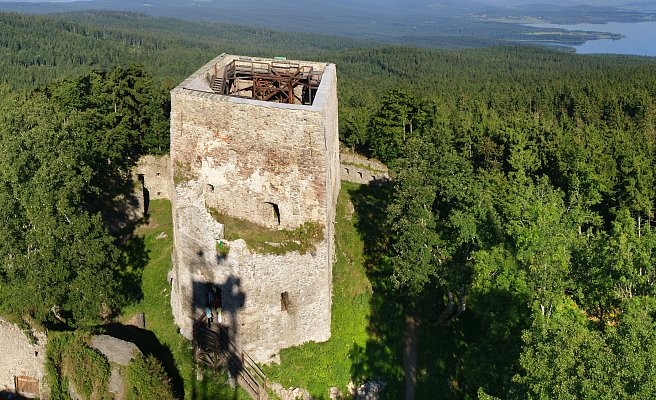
147, 342
135, 259
491, 331
382, 356
370, 203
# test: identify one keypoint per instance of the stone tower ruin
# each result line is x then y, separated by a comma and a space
254, 143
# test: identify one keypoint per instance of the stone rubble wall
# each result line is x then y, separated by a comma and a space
251, 155
20, 357
251, 284
241, 157
359, 169
155, 171
333, 181
350, 158
353, 168
194, 254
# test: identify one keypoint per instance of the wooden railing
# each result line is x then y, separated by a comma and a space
216, 347
267, 81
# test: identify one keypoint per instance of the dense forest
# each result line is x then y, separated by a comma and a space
67, 150
520, 231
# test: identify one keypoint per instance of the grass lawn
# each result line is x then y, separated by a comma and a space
269, 241
173, 350
317, 366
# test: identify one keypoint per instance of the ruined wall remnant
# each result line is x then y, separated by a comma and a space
152, 173
21, 357
359, 169
275, 164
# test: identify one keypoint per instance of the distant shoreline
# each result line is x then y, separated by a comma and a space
631, 38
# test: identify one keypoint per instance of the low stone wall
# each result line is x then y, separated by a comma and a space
20, 357
359, 169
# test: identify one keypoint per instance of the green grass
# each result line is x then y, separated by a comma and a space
317, 366
269, 241
156, 305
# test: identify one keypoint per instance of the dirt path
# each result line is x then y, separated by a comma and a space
410, 356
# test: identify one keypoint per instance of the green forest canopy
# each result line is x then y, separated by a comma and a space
67, 150
520, 219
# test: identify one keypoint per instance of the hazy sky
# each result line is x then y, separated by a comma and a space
491, 2
401, 3
558, 2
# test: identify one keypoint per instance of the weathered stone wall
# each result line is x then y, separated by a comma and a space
20, 357
251, 288
327, 99
252, 156
153, 172
247, 158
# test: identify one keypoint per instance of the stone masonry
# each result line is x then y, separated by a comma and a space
152, 172
359, 169
21, 357
274, 164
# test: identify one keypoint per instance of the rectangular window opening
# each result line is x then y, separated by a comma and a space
276, 212
284, 301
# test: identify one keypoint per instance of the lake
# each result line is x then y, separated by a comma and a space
639, 37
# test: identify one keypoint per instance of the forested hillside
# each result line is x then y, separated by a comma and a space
518, 238
445, 24
170, 48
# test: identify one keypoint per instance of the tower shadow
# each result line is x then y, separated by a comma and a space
215, 308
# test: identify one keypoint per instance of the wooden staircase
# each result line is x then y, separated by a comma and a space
214, 346
217, 84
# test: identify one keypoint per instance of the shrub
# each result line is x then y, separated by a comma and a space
222, 248
69, 359
145, 378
